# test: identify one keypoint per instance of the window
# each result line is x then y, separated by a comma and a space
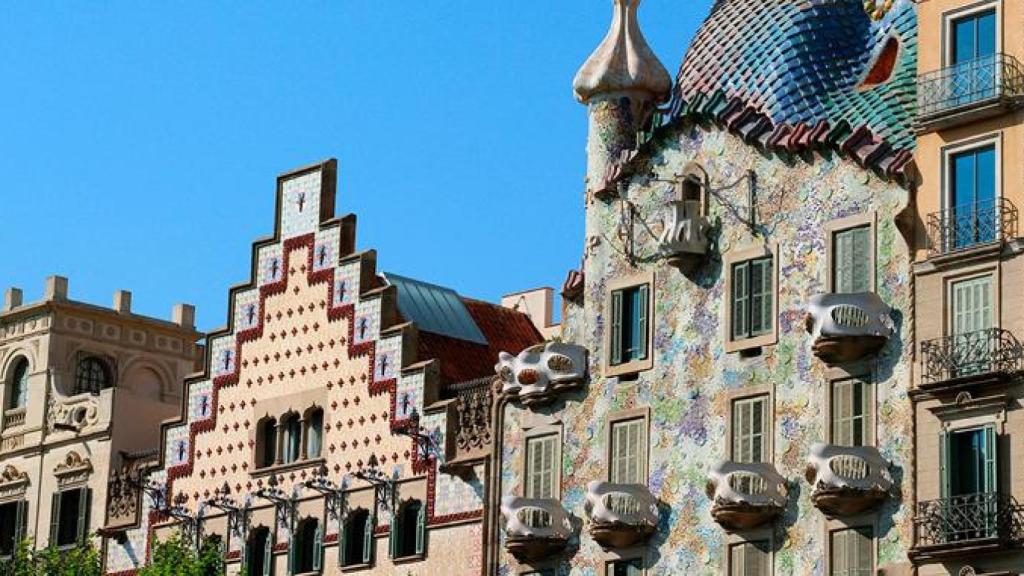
750, 429
851, 260
972, 49
314, 433
292, 441
852, 552
629, 324
19, 385
972, 305
752, 298
266, 442
258, 559
632, 567
408, 529
627, 451
69, 517
969, 462
541, 463
306, 547
851, 412
973, 37
12, 527
974, 217
749, 559
92, 376
357, 538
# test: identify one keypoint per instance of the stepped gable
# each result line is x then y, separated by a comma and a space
795, 76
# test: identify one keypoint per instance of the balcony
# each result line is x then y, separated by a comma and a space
966, 525
540, 373
971, 225
968, 92
848, 327
951, 362
847, 480
745, 495
684, 242
14, 417
621, 515
534, 528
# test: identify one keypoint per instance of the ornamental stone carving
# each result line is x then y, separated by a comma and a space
12, 481
848, 327
73, 469
539, 373
684, 242
534, 528
847, 480
620, 515
72, 413
745, 495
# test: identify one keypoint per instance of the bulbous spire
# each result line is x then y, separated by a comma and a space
623, 62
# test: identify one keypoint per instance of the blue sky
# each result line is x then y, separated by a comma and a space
139, 148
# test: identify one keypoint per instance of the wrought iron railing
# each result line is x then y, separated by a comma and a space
984, 515
982, 352
967, 84
969, 225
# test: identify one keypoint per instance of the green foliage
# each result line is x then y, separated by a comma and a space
82, 560
176, 557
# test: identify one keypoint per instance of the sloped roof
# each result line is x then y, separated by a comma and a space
435, 309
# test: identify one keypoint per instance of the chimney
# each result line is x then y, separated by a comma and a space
123, 301
12, 299
184, 315
538, 304
56, 288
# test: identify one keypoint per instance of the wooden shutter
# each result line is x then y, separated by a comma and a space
20, 518
421, 529
740, 301
991, 483
842, 399
371, 520
972, 305
54, 517
341, 537
749, 432
851, 256
616, 328
627, 451
294, 546
395, 536
640, 332
268, 555
84, 501
944, 455
541, 471
760, 273
861, 552
318, 548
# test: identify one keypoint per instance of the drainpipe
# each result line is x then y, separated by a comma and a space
493, 507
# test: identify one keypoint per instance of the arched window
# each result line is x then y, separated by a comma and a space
292, 438
18, 391
408, 530
314, 433
357, 538
306, 547
266, 443
92, 375
258, 560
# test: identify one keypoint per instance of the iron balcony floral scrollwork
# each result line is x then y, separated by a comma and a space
968, 225
990, 351
969, 84
960, 519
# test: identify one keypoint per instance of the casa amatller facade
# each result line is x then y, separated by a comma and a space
792, 346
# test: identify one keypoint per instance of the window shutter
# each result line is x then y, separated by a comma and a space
862, 549
421, 529
549, 467
616, 335
84, 501
751, 560
643, 296
318, 548
395, 537
861, 266
243, 554
944, 464
268, 555
758, 409
991, 460
54, 518
740, 311
842, 254
761, 296
841, 412
633, 452
341, 538
737, 431
371, 520
20, 517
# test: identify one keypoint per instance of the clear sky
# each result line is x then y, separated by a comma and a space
139, 148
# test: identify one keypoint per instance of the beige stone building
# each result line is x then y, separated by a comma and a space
968, 275
84, 390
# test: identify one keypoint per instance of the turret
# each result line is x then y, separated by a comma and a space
620, 83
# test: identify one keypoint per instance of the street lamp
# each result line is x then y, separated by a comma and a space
383, 484
238, 515
423, 441
284, 504
334, 494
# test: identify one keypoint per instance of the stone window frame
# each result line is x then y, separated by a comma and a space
643, 414
743, 394
833, 227
946, 153
16, 360
738, 256
839, 524
548, 429
760, 534
625, 555
107, 363
622, 283
866, 373
950, 16
970, 273
279, 408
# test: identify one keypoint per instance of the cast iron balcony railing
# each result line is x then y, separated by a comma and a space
984, 352
970, 517
969, 225
995, 79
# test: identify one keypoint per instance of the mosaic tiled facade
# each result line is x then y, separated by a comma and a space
764, 150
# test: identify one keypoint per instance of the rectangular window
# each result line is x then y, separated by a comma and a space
749, 559
974, 37
852, 552
628, 447
969, 462
752, 298
69, 517
541, 467
632, 567
12, 527
750, 429
629, 324
851, 412
972, 305
851, 260
974, 217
